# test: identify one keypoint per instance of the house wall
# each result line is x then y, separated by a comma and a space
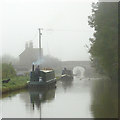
29, 56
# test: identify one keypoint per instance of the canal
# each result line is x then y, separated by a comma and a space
81, 98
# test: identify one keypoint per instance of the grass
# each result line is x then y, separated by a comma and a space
15, 83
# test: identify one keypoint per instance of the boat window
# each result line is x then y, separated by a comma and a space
40, 79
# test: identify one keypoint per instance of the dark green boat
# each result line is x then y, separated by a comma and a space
67, 74
42, 78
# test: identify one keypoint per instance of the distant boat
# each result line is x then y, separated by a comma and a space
67, 74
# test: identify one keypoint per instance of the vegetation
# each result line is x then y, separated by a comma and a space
7, 71
9, 59
54, 63
0, 71
15, 83
104, 44
51, 62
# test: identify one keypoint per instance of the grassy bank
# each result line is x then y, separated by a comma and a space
15, 83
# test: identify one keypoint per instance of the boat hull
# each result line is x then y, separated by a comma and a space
67, 77
49, 83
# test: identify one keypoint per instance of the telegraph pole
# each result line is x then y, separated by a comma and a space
40, 49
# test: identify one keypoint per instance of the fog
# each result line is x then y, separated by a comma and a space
65, 27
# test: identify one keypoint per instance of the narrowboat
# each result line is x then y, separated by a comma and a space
42, 78
67, 74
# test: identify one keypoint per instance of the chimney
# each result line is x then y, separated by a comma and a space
31, 44
26, 45
33, 67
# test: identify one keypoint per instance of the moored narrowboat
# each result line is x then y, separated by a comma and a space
42, 78
67, 74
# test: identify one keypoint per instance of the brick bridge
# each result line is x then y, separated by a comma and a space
68, 64
71, 64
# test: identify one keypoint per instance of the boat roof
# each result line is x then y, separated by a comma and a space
46, 71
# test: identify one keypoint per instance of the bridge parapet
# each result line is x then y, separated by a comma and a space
71, 64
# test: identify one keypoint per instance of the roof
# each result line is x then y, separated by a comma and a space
46, 71
30, 51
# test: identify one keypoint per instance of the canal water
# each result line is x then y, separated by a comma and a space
78, 98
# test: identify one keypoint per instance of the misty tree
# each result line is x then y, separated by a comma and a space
9, 59
8, 71
54, 63
50, 61
104, 44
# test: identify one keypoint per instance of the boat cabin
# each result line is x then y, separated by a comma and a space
42, 77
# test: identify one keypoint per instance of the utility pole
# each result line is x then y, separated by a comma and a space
40, 49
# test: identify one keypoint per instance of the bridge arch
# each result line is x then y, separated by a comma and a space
72, 64
79, 71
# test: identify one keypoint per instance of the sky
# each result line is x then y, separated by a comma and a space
65, 27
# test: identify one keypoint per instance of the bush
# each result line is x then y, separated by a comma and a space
8, 71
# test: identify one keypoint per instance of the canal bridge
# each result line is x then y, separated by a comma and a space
68, 64
71, 64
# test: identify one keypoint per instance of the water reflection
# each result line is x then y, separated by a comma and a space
13, 93
67, 83
51, 103
38, 96
104, 99
79, 71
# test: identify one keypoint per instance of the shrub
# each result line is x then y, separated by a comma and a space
8, 71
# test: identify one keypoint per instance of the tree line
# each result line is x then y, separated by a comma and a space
104, 43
